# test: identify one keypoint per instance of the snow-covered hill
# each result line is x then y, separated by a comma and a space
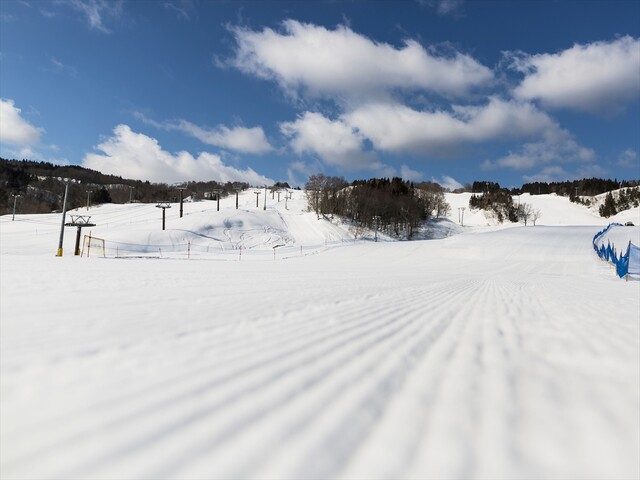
494, 353
554, 209
135, 229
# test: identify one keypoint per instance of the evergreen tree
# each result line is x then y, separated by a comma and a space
101, 196
608, 208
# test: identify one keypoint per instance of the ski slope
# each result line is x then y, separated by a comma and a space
496, 352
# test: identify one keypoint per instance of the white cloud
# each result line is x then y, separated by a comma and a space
398, 128
241, 139
558, 146
15, 130
96, 11
22, 140
448, 183
600, 77
335, 142
409, 174
315, 60
135, 155
629, 159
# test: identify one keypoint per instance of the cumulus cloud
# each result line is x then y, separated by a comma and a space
135, 155
15, 130
600, 77
397, 128
241, 139
317, 61
335, 142
21, 139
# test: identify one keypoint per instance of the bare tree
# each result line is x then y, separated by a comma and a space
313, 189
535, 215
525, 211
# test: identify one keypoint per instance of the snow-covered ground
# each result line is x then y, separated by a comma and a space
493, 353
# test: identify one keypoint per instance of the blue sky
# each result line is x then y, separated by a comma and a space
451, 90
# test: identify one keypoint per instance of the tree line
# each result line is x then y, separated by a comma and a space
393, 206
573, 189
41, 186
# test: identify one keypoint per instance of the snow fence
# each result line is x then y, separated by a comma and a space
627, 263
219, 250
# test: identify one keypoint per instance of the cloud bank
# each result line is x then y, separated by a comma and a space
600, 77
335, 142
313, 60
135, 155
398, 128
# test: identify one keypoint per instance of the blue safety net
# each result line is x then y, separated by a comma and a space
627, 263
633, 263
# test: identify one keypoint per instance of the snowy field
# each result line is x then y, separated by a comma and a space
492, 353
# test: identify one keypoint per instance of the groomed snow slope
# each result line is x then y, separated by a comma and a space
511, 353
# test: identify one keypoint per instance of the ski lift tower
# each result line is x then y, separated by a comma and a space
182, 189
79, 221
163, 206
237, 190
15, 200
217, 191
